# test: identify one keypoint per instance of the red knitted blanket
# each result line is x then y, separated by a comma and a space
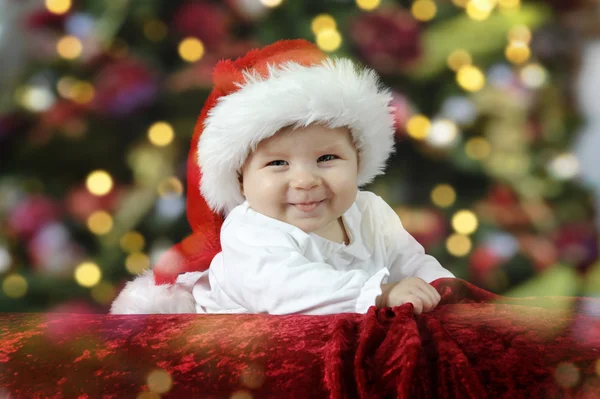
473, 345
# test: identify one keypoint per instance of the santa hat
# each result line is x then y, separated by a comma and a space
288, 83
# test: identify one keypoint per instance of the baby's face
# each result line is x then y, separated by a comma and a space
306, 177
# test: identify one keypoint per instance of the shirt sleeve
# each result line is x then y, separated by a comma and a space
265, 271
406, 257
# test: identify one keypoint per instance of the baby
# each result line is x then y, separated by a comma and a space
285, 141
306, 240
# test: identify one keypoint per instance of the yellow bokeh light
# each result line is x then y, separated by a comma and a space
132, 242
480, 10
136, 263
58, 7
99, 182
478, 148
424, 10
470, 78
170, 186
323, 22
271, 3
465, 222
458, 59
519, 33
368, 5
155, 30
159, 381
69, 47
82, 92
443, 195
100, 222
191, 49
329, 40
88, 274
103, 293
517, 52
458, 245
509, 4
161, 134
14, 286
418, 127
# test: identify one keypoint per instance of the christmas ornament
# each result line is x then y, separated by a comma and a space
124, 87
203, 20
389, 39
33, 213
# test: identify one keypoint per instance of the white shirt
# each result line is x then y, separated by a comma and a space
269, 266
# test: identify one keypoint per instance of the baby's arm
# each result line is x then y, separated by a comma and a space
265, 271
411, 269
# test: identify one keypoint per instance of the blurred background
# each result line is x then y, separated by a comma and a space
496, 171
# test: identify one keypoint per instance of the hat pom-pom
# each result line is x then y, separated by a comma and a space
144, 296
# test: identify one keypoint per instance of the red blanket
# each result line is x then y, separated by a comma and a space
473, 345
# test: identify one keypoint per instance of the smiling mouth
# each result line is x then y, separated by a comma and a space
308, 206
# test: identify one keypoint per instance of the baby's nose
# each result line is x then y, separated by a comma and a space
305, 179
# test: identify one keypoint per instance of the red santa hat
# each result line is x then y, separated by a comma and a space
288, 83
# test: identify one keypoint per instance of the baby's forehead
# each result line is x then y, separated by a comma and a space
307, 138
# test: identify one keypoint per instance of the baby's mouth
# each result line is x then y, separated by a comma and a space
308, 206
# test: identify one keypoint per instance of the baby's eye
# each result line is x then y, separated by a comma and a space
328, 157
279, 162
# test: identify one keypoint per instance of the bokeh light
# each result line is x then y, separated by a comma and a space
191, 49
323, 22
14, 286
519, 33
329, 40
99, 182
69, 47
533, 76
103, 293
159, 381
459, 58
271, 3
155, 30
465, 222
564, 166
478, 148
100, 222
443, 133
137, 262
424, 10
517, 52
58, 7
368, 5
161, 134
88, 274
132, 242
479, 10
170, 186
470, 78
443, 195
458, 245
82, 92
418, 127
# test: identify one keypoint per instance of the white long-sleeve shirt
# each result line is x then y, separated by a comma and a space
269, 266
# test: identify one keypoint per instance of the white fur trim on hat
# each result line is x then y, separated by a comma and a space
334, 92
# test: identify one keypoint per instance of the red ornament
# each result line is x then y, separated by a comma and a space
389, 40
31, 215
482, 264
205, 21
44, 19
124, 87
80, 203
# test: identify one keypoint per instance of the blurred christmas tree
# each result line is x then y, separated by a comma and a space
98, 101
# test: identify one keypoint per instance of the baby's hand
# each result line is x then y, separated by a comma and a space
411, 290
